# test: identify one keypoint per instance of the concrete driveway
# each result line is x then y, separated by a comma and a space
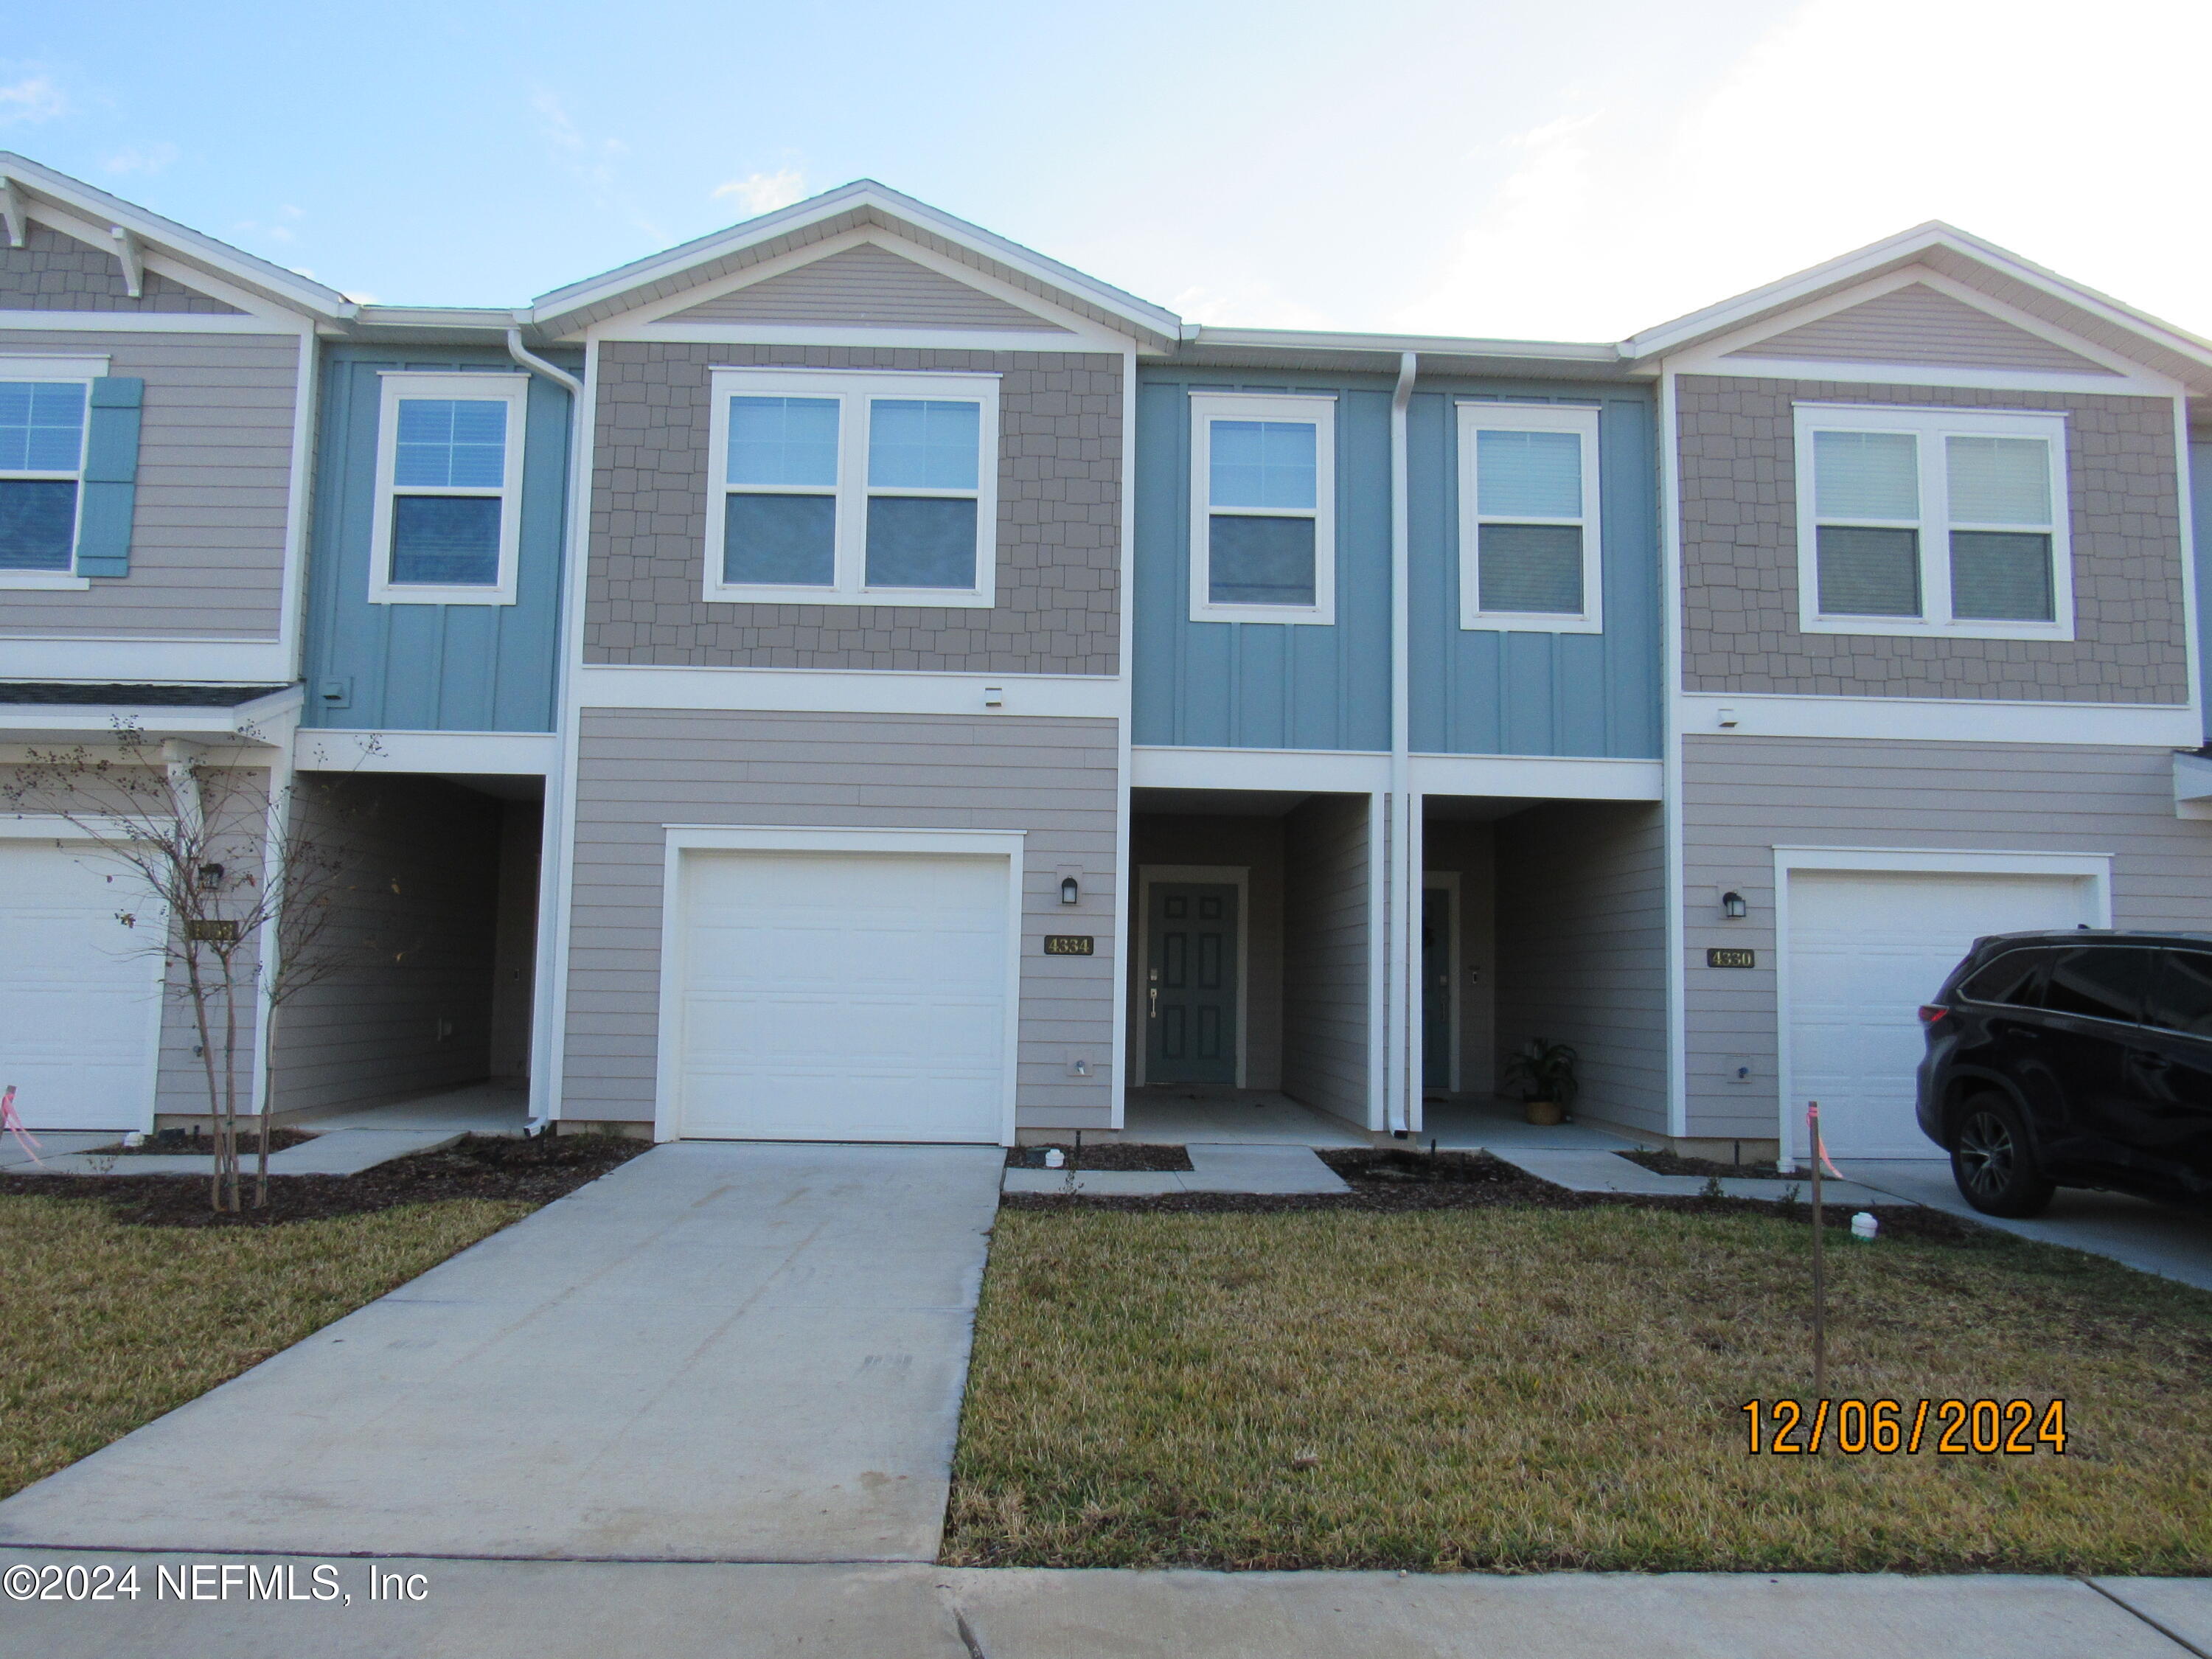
718, 1352
2155, 1239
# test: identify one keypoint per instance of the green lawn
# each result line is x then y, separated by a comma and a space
1517, 1388
104, 1326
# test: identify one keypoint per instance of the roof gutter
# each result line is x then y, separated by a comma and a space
1401, 902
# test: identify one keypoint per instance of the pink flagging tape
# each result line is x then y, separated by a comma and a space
12, 1122
1818, 1144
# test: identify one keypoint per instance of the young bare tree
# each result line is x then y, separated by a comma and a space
218, 881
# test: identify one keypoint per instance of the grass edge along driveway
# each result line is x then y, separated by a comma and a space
104, 1326
1526, 1388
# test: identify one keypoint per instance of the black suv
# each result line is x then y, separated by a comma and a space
2073, 1059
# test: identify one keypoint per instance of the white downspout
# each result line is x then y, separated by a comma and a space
553, 834
1401, 1042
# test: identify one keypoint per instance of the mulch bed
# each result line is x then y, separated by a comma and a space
175, 1143
536, 1171
1106, 1155
1673, 1163
1389, 1179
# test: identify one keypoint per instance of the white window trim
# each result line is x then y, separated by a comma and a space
513, 389
1930, 427
854, 391
1476, 416
1318, 409
83, 371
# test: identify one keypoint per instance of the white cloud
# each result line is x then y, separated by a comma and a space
148, 158
764, 192
34, 97
1246, 305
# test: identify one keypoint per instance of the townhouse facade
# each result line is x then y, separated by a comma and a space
851, 677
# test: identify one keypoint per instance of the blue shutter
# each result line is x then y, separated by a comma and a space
111, 477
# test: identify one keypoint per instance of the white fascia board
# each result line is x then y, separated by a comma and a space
1322, 771
838, 691
1539, 777
49, 190
147, 662
150, 322
49, 723
528, 754
1944, 861
1878, 257
662, 320
862, 193
1713, 356
1933, 720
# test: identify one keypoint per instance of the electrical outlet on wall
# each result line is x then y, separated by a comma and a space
1737, 1068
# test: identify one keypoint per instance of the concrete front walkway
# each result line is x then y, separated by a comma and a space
719, 1352
593, 1610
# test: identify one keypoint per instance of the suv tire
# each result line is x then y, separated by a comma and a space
1992, 1161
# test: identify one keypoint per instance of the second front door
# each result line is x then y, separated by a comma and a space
1189, 994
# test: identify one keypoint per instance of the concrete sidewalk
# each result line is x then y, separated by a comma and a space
719, 1351
1229, 1167
1607, 1172
600, 1610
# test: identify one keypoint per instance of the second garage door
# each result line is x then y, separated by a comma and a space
1866, 949
843, 996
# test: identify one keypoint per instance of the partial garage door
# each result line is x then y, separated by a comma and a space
80, 1004
843, 996
1866, 949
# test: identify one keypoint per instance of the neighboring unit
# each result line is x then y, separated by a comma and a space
852, 678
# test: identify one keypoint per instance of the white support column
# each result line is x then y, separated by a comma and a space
1401, 903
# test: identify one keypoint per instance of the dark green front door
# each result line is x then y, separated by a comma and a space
1436, 988
1190, 983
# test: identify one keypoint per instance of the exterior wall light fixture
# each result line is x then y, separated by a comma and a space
1069, 892
1733, 907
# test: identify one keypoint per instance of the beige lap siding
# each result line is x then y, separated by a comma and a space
1328, 939
215, 469
1582, 949
1742, 796
640, 769
1059, 529
1740, 557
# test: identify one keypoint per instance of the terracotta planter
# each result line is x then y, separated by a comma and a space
1544, 1113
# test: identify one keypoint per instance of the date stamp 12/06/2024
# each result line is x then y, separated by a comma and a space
213, 1581
1948, 1428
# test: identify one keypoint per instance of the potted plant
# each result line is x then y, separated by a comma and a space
1546, 1070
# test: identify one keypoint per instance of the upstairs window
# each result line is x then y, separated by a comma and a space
447, 524
42, 433
839, 488
1528, 533
1263, 519
1928, 521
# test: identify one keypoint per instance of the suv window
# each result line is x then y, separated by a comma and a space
2101, 981
2010, 978
2181, 993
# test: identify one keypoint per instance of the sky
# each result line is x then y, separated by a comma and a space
1565, 170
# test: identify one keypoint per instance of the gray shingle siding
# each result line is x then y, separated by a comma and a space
1739, 507
1060, 488
54, 272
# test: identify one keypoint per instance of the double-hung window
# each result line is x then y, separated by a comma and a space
44, 412
835, 487
447, 524
1530, 549
1932, 521
1263, 508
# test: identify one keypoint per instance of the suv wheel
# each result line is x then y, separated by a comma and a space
1991, 1162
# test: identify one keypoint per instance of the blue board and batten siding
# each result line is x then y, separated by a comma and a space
1481, 691
1255, 685
430, 667
1261, 685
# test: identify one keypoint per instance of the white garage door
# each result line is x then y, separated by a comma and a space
843, 996
79, 1001
1866, 949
